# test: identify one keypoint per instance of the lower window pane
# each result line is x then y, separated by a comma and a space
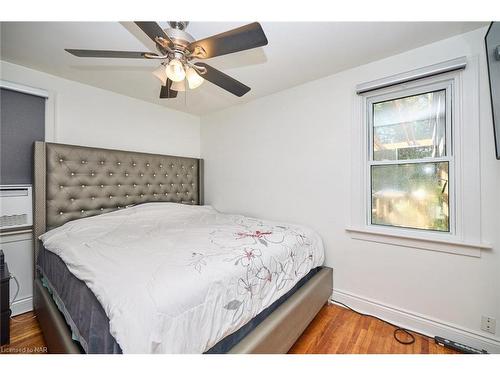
411, 195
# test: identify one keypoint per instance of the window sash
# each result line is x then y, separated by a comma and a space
408, 227
398, 92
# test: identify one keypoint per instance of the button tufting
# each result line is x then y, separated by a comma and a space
92, 198
102, 185
83, 186
149, 185
102, 209
161, 166
126, 174
154, 194
102, 162
142, 195
177, 174
82, 211
166, 174
111, 173
172, 185
166, 193
119, 185
72, 173
92, 173
154, 174
61, 187
61, 160
171, 165
147, 164
110, 197
72, 199
134, 164
142, 174
126, 195
118, 163
60, 212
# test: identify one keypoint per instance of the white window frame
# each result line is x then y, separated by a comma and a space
462, 143
415, 88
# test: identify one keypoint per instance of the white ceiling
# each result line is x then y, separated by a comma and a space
297, 52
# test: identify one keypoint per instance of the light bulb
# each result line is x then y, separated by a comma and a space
161, 74
193, 78
178, 86
175, 70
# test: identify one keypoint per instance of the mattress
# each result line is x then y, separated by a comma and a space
88, 322
165, 271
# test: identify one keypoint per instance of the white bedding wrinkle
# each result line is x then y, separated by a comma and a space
175, 278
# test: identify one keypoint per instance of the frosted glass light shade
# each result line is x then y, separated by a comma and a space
161, 74
178, 86
175, 71
193, 78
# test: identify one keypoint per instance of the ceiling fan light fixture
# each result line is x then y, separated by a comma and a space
161, 74
193, 78
178, 86
175, 70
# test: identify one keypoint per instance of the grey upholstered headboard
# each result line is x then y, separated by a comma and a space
72, 182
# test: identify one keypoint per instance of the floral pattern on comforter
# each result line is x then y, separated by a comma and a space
199, 275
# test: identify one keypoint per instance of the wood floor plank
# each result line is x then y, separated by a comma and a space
334, 330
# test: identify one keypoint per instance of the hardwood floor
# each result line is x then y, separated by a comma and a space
25, 336
337, 330
334, 330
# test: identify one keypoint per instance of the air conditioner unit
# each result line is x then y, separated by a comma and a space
16, 207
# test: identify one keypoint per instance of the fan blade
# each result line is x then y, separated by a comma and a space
223, 80
111, 54
152, 29
166, 92
240, 39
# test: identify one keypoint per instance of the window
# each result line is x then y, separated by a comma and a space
415, 166
410, 157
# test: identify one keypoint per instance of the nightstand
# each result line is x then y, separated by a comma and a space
4, 305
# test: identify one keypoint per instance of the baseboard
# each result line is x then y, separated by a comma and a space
21, 306
417, 322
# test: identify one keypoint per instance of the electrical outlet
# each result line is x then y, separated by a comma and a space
488, 324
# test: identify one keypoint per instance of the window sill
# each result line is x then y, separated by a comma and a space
426, 242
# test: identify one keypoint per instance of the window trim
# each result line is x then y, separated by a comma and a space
466, 237
417, 87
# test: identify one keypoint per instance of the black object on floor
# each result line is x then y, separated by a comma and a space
457, 346
4, 302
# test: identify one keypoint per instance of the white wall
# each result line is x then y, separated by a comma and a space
85, 115
287, 157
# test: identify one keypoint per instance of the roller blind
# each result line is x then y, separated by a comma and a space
22, 122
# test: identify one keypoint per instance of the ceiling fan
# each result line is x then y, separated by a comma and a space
177, 51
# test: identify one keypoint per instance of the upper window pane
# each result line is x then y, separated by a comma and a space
413, 127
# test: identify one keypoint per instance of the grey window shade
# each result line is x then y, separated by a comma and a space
22, 122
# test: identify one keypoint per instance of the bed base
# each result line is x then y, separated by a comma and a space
275, 335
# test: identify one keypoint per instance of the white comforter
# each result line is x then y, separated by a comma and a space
174, 278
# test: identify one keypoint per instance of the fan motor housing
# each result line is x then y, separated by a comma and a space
179, 37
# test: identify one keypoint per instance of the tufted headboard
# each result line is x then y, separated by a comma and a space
72, 182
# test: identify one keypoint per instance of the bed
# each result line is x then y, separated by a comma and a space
133, 262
